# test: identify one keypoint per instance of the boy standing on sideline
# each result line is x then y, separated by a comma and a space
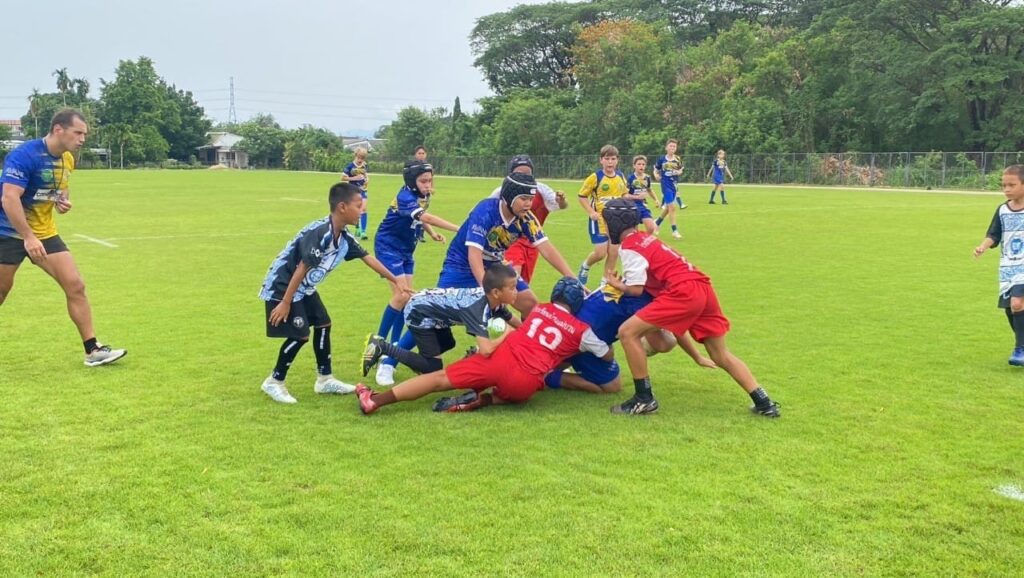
600, 187
35, 182
718, 171
684, 301
666, 170
357, 173
289, 290
1007, 230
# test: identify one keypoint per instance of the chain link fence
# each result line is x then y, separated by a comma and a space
939, 170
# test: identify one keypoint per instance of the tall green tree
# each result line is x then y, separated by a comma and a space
263, 140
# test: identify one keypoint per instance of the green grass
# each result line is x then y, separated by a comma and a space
862, 312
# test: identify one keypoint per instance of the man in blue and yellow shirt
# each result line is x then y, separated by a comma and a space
35, 182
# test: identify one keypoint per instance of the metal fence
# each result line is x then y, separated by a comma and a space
955, 170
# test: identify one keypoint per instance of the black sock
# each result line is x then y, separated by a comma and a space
322, 349
413, 361
760, 398
643, 388
289, 349
712, 196
1018, 327
90, 344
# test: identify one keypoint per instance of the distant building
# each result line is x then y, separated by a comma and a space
16, 132
370, 144
221, 151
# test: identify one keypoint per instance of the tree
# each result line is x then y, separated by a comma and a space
263, 140
412, 128
63, 83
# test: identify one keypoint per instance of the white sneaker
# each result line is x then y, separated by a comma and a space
328, 384
103, 355
676, 235
277, 391
385, 375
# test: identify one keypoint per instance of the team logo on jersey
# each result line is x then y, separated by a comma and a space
605, 187
316, 275
1016, 246
298, 322
500, 237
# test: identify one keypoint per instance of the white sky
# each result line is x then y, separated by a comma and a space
347, 66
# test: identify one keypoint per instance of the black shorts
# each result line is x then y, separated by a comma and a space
433, 342
12, 250
305, 313
1015, 291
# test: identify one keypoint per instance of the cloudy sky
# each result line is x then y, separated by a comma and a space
347, 66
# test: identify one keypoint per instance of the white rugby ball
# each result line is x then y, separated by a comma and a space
496, 327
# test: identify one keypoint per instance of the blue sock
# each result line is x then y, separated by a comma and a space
407, 342
658, 221
553, 380
362, 222
723, 196
712, 195
679, 201
675, 228
397, 325
387, 320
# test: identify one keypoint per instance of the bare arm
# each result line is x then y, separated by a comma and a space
985, 245
11, 202
615, 281
585, 203
687, 345
381, 270
551, 255
487, 346
563, 203
728, 172
476, 263
280, 312
435, 221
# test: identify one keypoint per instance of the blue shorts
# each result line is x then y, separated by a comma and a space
645, 213
594, 369
718, 180
362, 193
397, 262
668, 195
450, 279
594, 229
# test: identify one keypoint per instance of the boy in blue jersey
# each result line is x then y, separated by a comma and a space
357, 173
396, 238
432, 313
666, 170
1007, 230
491, 228
35, 182
605, 310
717, 172
639, 184
289, 290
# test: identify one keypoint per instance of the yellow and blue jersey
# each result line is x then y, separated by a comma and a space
401, 228
718, 167
599, 188
44, 177
670, 169
487, 230
357, 174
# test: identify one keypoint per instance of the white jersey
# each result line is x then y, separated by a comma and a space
1007, 230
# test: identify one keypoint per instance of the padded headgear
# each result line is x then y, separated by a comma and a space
517, 185
413, 169
619, 215
569, 291
520, 161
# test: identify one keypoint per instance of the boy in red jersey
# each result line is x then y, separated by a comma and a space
516, 369
683, 301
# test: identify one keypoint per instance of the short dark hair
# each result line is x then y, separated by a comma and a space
1017, 170
671, 141
639, 158
419, 148
496, 276
65, 117
609, 151
342, 193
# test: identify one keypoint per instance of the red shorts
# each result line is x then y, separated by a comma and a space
694, 308
499, 371
522, 254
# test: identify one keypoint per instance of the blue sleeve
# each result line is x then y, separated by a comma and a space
478, 226
659, 163
629, 182
17, 169
348, 169
408, 204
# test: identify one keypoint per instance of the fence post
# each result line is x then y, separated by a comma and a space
842, 180
871, 175
778, 179
943, 184
750, 174
906, 171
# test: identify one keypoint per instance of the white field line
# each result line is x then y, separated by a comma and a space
97, 241
299, 200
199, 236
1012, 492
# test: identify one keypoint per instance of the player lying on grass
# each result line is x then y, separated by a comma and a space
516, 369
605, 310
289, 290
684, 301
432, 313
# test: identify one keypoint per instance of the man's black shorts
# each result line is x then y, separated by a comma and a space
433, 342
304, 313
12, 250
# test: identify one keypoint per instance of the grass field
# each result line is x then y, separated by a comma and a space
862, 312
